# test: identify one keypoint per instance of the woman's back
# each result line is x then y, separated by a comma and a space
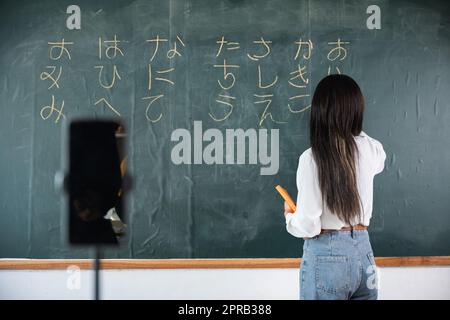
313, 214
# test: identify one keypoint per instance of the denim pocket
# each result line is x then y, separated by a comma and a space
332, 273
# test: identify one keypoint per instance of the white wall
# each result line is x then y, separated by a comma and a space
395, 283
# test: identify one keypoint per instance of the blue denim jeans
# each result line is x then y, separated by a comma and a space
338, 265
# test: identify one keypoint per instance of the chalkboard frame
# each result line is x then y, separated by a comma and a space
260, 263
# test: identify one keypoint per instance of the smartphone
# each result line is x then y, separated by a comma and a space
95, 162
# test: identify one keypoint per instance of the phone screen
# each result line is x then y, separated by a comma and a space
95, 196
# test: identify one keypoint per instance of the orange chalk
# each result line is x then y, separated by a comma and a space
286, 197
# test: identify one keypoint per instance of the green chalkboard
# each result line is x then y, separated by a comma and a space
231, 209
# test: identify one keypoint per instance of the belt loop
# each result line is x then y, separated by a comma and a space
353, 235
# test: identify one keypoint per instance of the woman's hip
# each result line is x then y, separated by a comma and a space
346, 243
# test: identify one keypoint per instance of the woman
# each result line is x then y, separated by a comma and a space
335, 191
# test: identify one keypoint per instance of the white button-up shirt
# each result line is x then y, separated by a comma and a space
312, 215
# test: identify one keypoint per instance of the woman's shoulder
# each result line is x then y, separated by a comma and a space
307, 154
364, 137
306, 158
372, 149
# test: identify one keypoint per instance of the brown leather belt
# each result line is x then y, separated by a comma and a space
357, 227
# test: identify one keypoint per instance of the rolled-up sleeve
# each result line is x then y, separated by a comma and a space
305, 222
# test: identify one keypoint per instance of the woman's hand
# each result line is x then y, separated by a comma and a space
287, 209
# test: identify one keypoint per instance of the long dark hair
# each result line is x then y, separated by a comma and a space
336, 117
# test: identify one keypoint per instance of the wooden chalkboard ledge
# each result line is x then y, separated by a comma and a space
48, 264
